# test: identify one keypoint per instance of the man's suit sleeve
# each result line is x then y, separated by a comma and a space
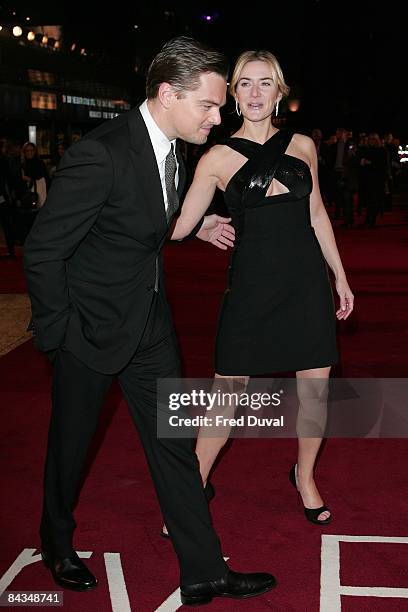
79, 189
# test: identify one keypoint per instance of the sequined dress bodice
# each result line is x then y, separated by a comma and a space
249, 186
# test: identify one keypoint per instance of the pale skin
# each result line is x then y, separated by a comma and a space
257, 93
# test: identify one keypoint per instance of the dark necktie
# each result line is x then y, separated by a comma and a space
170, 168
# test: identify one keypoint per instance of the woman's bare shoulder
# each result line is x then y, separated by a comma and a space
302, 141
214, 158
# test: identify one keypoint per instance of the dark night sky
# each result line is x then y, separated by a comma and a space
344, 60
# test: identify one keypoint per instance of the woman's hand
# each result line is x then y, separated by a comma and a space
218, 231
346, 299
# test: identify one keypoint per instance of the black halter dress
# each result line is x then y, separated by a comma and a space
278, 311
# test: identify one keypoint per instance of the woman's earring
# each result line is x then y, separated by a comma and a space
237, 108
277, 107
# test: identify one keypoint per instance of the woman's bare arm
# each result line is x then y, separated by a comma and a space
325, 235
199, 196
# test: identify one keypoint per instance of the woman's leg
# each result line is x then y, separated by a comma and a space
313, 412
211, 440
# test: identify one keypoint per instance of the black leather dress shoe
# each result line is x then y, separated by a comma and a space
70, 572
233, 584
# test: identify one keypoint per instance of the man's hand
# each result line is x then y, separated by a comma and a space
218, 231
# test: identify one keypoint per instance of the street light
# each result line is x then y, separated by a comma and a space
294, 105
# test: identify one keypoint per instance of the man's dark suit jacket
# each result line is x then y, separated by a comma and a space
93, 257
330, 155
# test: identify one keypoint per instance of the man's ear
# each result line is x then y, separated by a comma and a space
166, 94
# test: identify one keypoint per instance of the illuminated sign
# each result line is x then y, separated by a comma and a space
98, 102
43, 100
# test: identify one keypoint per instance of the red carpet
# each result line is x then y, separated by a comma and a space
255, 511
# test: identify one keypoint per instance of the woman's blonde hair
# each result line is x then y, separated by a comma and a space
260, 56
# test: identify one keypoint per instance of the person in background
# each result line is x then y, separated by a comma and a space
34, 172
393, 167
7, 187
60, 151
336, 164
374, 162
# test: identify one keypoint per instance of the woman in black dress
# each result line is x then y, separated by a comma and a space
278, 311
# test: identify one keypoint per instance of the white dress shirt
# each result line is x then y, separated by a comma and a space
161, 147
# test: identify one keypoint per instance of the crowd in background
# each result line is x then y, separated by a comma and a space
357, 176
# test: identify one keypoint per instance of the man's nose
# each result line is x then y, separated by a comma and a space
216, 116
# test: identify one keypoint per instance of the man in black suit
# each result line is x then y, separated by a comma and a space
93, 262
337, 158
